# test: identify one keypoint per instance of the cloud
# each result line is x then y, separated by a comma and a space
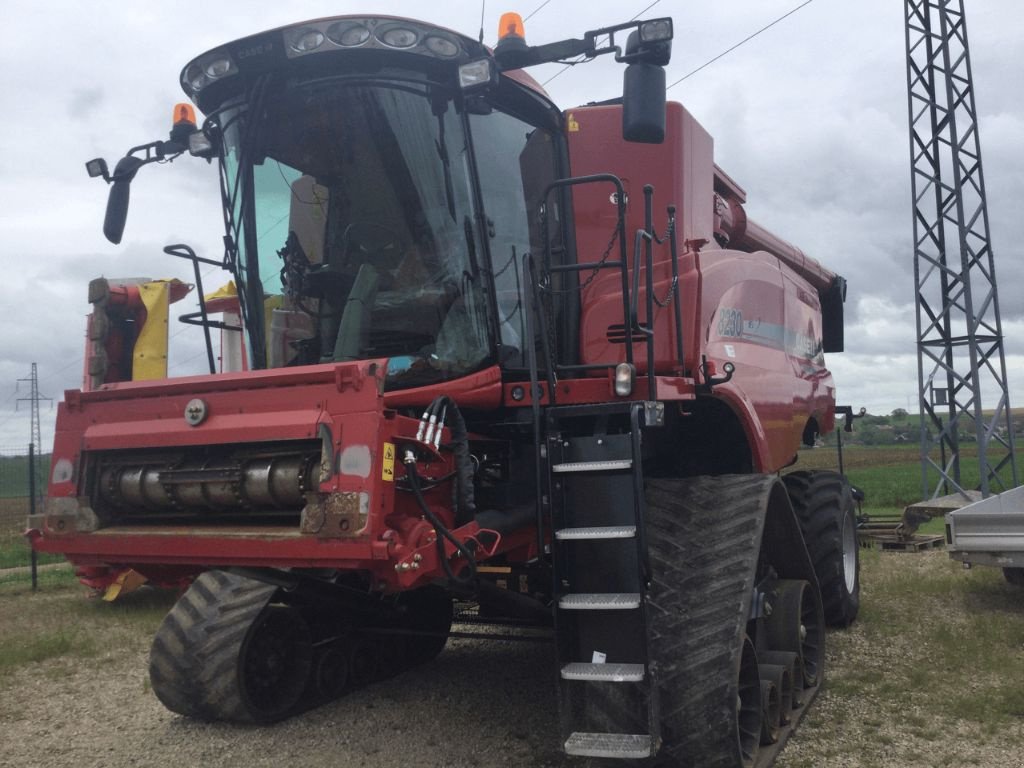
84, 103
810, 117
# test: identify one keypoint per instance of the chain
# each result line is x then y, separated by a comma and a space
668, 296
670, 231
597, 267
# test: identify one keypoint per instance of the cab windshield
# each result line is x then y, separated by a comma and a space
351, 204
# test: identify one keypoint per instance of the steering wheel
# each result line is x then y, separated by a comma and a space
368, 242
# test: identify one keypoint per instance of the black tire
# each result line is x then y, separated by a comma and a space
430, 610
224, 653
1014, 576
824, 506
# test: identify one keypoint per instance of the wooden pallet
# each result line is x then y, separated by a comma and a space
890, 542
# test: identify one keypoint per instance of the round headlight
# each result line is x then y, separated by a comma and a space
307, 40
195, 77
441, 46
348, 35
399, 37
218, 67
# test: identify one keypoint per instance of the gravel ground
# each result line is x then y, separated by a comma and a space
479, 705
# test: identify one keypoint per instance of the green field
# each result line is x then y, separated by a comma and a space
14, 549
889, 475
14, 477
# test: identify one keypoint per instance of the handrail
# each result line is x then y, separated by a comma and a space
183, 251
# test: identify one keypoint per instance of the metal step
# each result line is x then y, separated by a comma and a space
609, 465
625, 746
601, 532
602, 601
609, 673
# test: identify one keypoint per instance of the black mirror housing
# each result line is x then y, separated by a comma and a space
117, 202
832, 301
643, 103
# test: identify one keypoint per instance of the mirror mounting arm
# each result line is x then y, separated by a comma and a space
121, 178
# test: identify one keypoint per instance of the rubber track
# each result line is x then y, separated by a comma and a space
193, 663
817, 498
704, 535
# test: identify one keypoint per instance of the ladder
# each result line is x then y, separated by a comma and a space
607, 686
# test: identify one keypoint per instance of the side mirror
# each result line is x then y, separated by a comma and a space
117, 202
643, 103
832, 301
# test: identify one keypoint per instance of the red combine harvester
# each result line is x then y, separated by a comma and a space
469, 368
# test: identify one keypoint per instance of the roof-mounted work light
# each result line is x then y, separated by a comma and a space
477, 74
97, 167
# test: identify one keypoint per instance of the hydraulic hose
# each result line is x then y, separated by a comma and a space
414, 483
431, 424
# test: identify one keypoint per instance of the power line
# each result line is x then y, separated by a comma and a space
581, 59
741, 42
535, 11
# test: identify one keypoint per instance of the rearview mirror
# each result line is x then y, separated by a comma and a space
643, 103
117, 202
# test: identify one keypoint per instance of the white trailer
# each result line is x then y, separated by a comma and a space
990, 532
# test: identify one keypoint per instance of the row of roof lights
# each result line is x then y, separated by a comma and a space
350, 34
203, 72
340, 34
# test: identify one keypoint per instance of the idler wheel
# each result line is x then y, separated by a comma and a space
275, 663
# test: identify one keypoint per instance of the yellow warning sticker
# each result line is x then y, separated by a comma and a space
388, 469
573, 125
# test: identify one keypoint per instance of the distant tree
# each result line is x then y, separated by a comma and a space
900, 414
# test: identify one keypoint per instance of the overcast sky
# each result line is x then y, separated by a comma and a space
810, 117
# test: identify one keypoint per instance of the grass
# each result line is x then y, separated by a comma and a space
14, 548
928, 675
55, 628
35, 648
19, 581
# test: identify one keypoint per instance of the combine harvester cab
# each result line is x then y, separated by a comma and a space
480, 350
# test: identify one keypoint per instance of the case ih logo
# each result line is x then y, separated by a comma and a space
262, 49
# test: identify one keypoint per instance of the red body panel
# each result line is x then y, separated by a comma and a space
341, 403
749, 309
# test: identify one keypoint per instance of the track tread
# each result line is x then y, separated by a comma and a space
820, 498
193, 663
703, 536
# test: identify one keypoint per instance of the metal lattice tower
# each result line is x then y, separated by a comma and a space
959, 335
33, 399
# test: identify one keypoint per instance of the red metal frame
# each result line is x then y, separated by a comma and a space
745, 308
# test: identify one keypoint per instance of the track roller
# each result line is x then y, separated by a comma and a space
795, 625
794, 670
778, 675
752, 700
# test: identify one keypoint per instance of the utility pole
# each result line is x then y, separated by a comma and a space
36, 440
959, 335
